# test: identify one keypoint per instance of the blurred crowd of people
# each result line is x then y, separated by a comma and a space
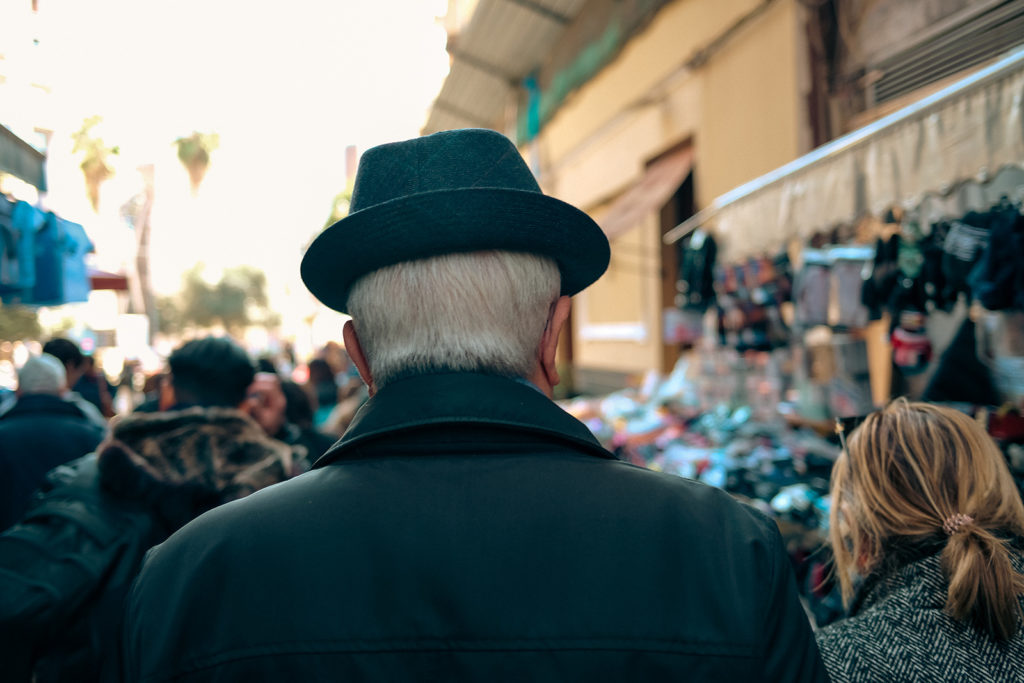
64, 404
215, 425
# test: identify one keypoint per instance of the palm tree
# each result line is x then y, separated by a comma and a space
95, 157
194, 153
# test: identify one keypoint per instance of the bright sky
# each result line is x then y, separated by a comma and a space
287, 86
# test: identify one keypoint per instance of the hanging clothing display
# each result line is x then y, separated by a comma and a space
849, 265
812, 289
696, 271
998, 280
749, 296
42, 257
75, 274
18, 270
964, 245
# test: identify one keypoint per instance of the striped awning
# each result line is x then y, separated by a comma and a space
968, 131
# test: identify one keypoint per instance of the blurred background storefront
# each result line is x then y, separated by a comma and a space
656, 115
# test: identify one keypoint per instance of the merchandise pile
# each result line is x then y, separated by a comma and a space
722, 423
740, 446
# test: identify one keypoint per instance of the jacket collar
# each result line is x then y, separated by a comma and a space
43, 404
462, 398
918, 581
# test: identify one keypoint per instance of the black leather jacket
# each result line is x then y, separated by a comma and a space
466, 528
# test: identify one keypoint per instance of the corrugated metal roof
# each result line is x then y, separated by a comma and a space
503, 42
22, 160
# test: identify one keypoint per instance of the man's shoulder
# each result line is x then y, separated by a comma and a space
680, 493
252, 511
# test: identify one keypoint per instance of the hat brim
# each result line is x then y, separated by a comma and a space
449, 221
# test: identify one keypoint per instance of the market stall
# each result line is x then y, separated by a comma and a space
889, 262
877, 251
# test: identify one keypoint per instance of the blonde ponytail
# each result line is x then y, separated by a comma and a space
914, 475
984, 588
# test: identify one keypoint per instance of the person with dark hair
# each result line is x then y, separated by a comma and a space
298, 408
66, 567
93, 386
465, 527
927, 531
213, 371
68, 353
323, 388
266, 364
268, 404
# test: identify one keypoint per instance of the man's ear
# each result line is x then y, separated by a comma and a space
167, 397
358, 358
548, 350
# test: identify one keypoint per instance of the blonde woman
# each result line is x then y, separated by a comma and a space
926, 518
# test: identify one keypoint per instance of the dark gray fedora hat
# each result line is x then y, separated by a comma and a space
454, 191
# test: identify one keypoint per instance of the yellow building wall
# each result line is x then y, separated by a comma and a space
676, 33
742, 110
617, 320
753, 113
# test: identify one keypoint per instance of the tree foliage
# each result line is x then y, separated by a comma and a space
236, 301
18, 323
194, 153
95, 156
340, 205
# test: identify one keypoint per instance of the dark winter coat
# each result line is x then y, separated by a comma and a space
38, 433
897, 632
66, 568
467, 528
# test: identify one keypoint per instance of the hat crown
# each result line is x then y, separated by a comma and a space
449, 160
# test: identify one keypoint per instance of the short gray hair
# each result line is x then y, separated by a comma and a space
42, 374
482, 311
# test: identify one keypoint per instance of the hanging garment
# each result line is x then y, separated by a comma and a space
877, 289
932, 275
75, 274
18, 273
696, 271
781, 285
998, 282
812, 290
961, 377
8, 243
964, 245
848, 274
49, 261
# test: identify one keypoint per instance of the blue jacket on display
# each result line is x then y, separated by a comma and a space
18, 266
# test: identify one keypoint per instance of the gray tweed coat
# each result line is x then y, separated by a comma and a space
897, 632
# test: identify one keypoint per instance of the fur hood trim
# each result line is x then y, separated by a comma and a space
182, 463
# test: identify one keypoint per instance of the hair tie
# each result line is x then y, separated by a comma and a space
955, 523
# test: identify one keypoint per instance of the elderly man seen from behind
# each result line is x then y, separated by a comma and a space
466, 528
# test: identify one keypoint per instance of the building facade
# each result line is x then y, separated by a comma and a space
643, 112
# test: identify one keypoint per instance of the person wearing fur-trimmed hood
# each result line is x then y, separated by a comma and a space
67, 566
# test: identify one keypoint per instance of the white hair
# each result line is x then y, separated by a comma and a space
482, 311
42, 374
